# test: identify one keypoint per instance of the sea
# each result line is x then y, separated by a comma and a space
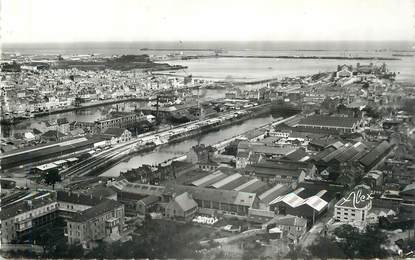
244, 68
221, 68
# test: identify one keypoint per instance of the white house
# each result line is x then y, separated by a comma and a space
118, 135
242, 159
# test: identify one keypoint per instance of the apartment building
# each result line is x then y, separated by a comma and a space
22, 218
355, 206
104, 221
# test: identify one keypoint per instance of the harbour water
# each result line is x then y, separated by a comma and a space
238, 69
115, 48
248, 69
95, 113
242, 68
170, 151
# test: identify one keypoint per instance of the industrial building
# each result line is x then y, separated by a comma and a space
327, 124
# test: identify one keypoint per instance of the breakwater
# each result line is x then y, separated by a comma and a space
312, 57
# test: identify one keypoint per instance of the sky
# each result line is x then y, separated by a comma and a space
206, 20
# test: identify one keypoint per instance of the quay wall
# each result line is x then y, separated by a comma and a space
264, 109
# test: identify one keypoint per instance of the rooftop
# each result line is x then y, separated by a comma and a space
272, 150
142, 189
185, 201
330, 121
409, 190
246, 184
101, 192
209, 179
295, 155
219, 195
100, 209
114, 131
24, 206
150, 199
77, 198
225, 181
289, 220
47, 166
255, 187
273, 193
371, 157
278, 167
313, 194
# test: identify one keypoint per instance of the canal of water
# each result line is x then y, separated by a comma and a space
160, 154
164, 153
95, 113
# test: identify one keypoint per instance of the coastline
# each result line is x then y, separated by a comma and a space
220, 80
311, 57
190, 57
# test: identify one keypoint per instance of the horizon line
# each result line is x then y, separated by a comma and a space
194, 41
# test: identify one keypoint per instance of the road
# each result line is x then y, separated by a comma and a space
316, 231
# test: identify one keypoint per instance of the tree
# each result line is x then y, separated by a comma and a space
61, 249
75, 251
46, 241
366, 244
370, 243
372, 112
326, 248
296, 252
52, 177
346, 231
351, 243
232, 148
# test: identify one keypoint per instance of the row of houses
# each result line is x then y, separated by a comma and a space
224, 191
346, 71
114, 120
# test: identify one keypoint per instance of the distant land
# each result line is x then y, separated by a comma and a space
132, 47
